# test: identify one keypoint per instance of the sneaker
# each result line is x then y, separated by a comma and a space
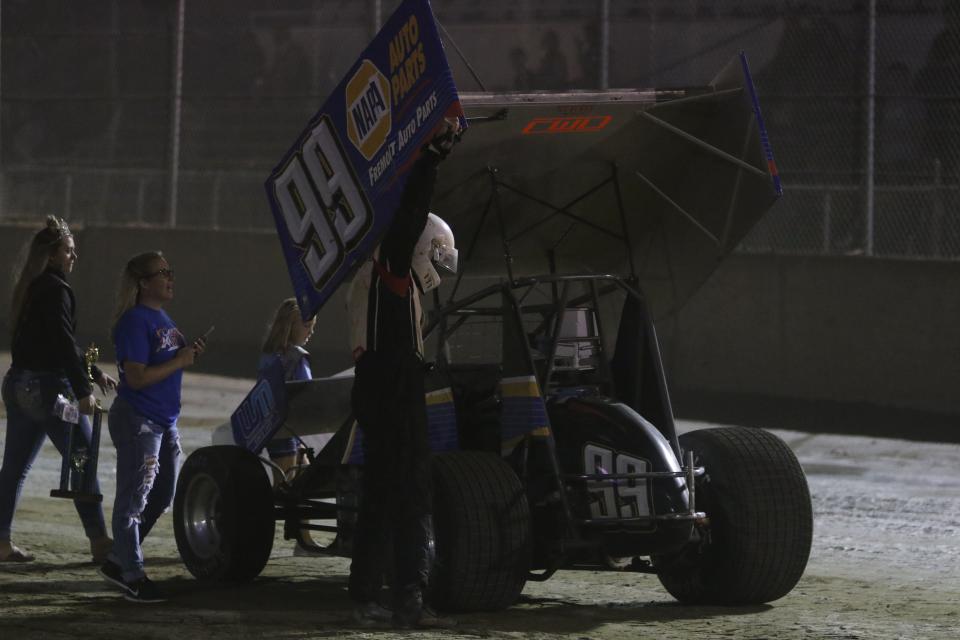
143, 590
372, 614
112, 573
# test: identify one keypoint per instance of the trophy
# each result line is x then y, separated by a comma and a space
78, 472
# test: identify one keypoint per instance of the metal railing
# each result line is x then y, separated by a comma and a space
180, 109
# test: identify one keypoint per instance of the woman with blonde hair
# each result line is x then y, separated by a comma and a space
46, 362
151, 356
286, 340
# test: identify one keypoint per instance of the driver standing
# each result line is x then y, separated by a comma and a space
388, 399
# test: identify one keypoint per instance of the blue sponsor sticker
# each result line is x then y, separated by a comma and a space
263, 411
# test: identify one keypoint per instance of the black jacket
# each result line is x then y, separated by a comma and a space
44, 336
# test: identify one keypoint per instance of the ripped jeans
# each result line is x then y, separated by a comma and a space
148, 460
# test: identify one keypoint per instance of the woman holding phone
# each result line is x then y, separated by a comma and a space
151, 356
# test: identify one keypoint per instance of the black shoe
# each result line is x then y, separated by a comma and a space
424, 618
143, 590
112, 573
372, 614
430, 619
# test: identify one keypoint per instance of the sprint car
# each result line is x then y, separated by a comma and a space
554, 439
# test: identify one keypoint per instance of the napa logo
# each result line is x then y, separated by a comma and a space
368, 109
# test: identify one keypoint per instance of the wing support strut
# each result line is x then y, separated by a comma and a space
678, 208
493, 202
709, 148
463, 58
564, 210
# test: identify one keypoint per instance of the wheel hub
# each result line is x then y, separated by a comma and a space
201, 516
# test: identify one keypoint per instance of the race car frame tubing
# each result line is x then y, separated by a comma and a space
462, 307
623, 220
439, 318
598, 321
619, 522
494, 201
507, 256
311, 510
551, 444
561, 306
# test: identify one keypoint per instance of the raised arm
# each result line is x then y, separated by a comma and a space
398, 243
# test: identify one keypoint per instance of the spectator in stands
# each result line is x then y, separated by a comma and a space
288, 72
522, 76
938, 83
813, 60
589, 54
898, 136
552, 72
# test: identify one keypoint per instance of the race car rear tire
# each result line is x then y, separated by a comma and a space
760, 527
223, 515
483, 535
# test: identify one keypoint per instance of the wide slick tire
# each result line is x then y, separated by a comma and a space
223, 516
760, 528
482, 530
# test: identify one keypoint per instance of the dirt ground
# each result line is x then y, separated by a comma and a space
885, 564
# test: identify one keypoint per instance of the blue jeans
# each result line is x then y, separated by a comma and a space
148, 460
29, 398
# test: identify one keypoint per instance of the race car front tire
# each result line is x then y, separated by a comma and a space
223, 515
755, 546
483, 534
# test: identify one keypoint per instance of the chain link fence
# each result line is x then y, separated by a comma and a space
173, 112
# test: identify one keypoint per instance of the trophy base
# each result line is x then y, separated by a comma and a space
79, 496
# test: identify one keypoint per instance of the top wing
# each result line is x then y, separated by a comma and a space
663, 183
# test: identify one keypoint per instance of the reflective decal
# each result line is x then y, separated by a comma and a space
322, 205
566, 124
630, 499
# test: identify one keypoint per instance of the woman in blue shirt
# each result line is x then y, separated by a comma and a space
151, 356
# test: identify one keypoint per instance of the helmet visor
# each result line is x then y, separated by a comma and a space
445, 258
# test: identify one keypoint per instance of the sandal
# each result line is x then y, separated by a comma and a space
17, 555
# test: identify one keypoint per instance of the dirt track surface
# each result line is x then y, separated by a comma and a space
885, 564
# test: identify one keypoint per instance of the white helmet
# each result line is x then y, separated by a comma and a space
434, 253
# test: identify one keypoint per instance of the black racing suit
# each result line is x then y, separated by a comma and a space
388, 402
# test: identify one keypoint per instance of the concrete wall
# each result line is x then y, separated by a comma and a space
884, 332
881, 332
230, 279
